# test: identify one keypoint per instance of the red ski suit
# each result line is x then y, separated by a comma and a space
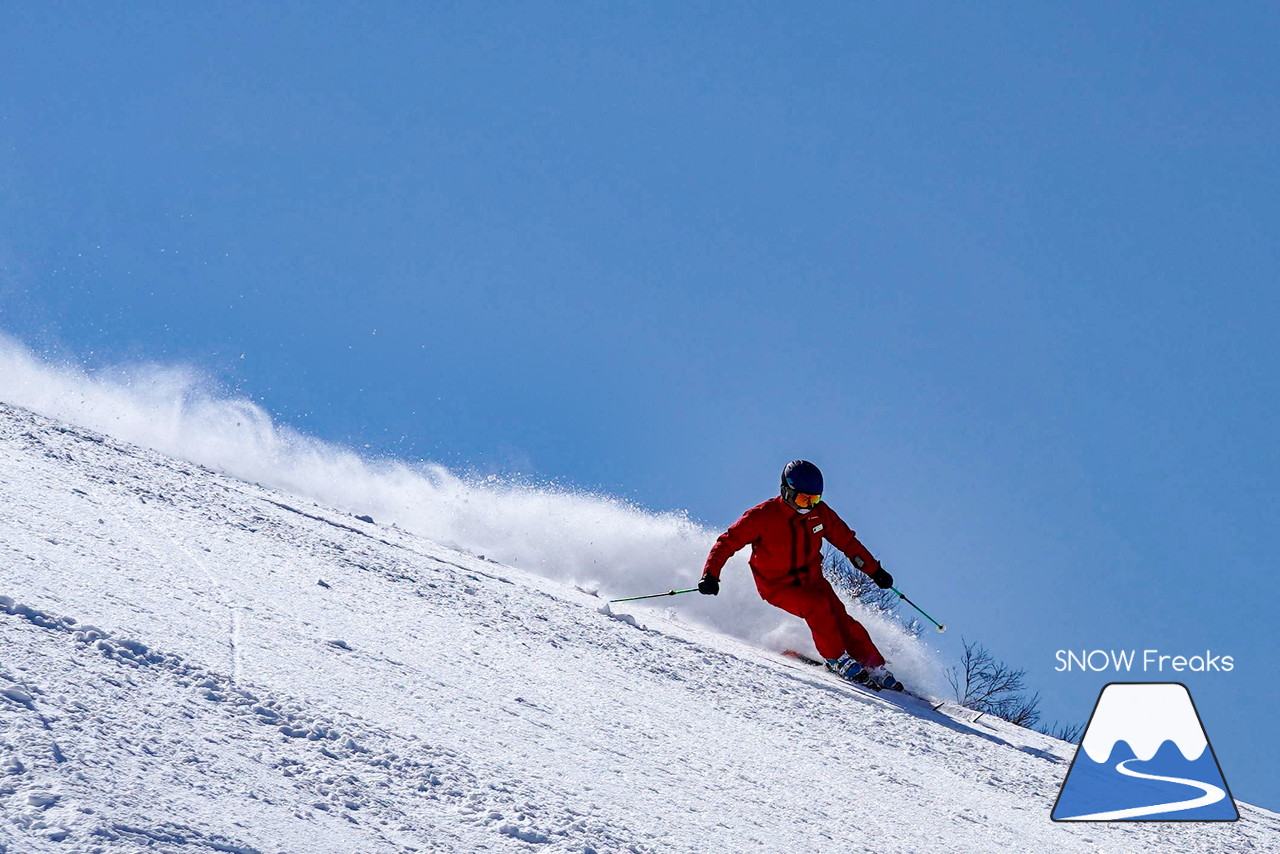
786, 560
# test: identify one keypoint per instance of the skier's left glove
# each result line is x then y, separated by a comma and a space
882, 579
709, 586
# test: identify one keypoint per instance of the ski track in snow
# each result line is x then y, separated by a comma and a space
192, 663
345, 779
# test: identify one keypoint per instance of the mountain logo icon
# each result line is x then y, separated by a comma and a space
1145, 756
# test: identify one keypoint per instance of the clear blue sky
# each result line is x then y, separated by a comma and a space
1008, 273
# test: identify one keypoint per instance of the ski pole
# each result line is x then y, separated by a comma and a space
655, 595
904, 598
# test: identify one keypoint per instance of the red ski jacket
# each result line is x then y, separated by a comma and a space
786, 546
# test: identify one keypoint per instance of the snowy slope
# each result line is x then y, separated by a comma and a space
193, 663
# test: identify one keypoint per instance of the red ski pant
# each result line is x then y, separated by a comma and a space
834, 631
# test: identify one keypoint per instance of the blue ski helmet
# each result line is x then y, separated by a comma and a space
801, 476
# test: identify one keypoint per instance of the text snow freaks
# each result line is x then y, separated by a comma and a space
1148, 661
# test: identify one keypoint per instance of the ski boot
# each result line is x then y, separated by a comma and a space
883, 679
847, 668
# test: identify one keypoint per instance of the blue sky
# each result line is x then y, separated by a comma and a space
1007, 273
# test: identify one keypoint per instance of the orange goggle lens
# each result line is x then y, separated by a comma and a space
804, 499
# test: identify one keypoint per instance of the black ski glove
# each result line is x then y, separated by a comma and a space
709, 586
882, 579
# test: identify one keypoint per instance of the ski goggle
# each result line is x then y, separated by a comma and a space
805, 500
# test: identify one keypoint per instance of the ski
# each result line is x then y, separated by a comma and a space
813, 662
949, 708
934, 705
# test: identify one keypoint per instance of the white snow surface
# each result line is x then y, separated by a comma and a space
195, 663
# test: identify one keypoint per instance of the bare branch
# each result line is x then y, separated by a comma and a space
984, 684
1067, 732
856, 584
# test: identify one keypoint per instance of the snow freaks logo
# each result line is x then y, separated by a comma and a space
1150, 661
1145, 757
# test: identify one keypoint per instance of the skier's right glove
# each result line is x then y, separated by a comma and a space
882, 579
709, 586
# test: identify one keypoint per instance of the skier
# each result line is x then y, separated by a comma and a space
785, 534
